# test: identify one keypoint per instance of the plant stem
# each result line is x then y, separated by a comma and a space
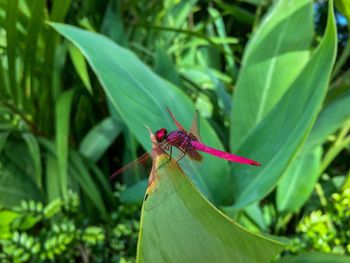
340, 143
321, 195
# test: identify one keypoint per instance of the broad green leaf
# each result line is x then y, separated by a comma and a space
80, 66
63, 109
99, 138
331, 118
141, 97
273, 59
281, 134
179, 225
298, 181
34, 151
315, 257
301, 175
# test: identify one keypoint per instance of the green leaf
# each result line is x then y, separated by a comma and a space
253, 2
281, 134
63, 109
141, 97
271, 62
7, 216
255, 213
3, 139
302, 173
113, 25
220, 29
80, 66
34, 27
134, 193
238, 13
80, 173
179, 225
52, 180
18, 155
11, 40
298, 181
34, 151
102, 180
99, 138
165, 67
315, 257
331, 118
16, 186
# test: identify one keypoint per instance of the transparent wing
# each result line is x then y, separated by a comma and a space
178, 125
142, 160
195, 126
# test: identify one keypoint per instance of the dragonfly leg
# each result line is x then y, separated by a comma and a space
170, 154
182, 156
184, 153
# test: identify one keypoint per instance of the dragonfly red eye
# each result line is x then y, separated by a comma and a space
161, 135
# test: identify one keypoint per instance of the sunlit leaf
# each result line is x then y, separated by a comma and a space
279, 136
272, 60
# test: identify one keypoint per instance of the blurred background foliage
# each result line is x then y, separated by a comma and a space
63, 130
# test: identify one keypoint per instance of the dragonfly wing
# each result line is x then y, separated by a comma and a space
178, 125
224, 155
194, 155
144, 158
195, 126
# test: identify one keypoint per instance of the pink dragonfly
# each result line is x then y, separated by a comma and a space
188, 143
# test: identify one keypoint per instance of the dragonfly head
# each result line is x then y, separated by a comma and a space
161, 134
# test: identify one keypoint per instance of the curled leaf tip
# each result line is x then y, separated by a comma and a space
157, 152
150, 133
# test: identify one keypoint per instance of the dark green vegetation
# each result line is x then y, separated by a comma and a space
73, 109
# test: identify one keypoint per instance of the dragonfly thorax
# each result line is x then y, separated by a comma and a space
161, 134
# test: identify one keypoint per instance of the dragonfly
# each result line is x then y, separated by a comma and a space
189, 143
